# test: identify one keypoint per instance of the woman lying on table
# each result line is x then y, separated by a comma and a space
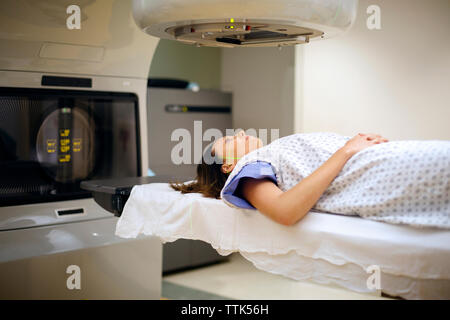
397, 182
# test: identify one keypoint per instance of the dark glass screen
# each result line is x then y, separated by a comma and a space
51, 140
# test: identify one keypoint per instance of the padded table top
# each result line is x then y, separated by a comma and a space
399, 250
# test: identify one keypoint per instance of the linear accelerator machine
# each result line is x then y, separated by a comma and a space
229, 24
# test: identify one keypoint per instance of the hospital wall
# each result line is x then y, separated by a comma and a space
174, 59
394, 81
262, 82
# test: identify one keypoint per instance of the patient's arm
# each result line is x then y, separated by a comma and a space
289, 207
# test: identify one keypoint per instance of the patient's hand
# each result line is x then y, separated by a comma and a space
363, 141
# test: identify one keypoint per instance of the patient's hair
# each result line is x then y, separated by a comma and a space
209, 181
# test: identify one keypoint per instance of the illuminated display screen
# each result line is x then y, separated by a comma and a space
51, 140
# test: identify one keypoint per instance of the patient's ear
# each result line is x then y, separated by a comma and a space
227, 167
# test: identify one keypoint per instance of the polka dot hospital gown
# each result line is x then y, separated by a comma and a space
401, 182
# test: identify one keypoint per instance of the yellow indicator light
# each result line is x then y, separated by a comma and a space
185, 109
51, 145
64, 158
76, 145
231, 27
64, 132
64, 142
232, 20
64, 148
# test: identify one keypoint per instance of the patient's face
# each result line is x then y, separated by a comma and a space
232, 148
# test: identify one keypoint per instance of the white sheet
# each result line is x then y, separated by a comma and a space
324, 248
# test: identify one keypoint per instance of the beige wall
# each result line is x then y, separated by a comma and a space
178, 60
394, 81
262, 82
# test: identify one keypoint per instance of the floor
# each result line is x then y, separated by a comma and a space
239, 279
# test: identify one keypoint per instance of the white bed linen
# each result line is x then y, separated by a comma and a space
322, 247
